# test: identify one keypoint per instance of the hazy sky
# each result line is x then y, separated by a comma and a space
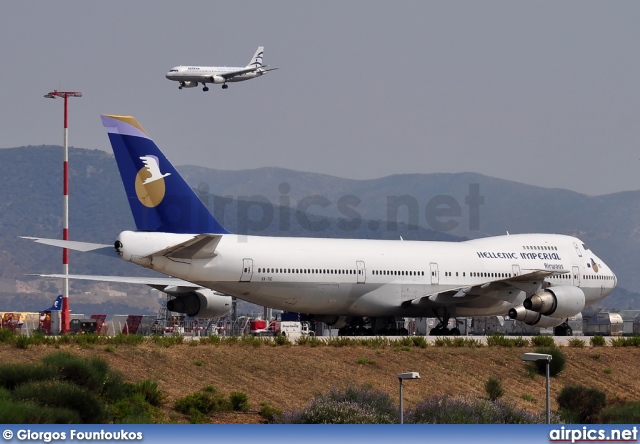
545, 92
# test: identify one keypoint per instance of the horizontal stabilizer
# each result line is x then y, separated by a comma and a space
106, 250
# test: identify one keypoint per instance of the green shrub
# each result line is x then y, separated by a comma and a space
542, 341
6, 335
521, 342
580, 404
198, 401
281, 340
353, 405
528, 397
459, 410
167, 341
149, 390
419, 341
12, 375
122, 339
310, 341
62, 394
22, 342
443, 341
556, 365
576, 343
499, 340
494, 389
89, 373
628, 413
239, 402
617, 342
598, 341
204, 402
132, 410
32, 413
271, 414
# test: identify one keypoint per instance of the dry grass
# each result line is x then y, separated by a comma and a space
289, 376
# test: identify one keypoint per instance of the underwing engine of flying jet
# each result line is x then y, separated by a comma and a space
187, 84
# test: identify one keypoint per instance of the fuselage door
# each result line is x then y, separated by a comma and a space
576, 275
575, 245
247, 270
515, 269
362, 276
434, 273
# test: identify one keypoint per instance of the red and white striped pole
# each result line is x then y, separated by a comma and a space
65, 313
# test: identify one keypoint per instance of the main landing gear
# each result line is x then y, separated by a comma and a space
205, 89
441, 329
225, 86
563, 330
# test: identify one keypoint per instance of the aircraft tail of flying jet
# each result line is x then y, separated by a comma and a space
256, 60
159, 198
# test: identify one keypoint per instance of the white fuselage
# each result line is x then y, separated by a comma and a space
352, 277
209, 74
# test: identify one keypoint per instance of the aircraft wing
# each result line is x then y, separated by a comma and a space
107, 250
160, 283
467, 293
232, 74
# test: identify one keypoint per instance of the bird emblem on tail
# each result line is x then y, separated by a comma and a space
153, 167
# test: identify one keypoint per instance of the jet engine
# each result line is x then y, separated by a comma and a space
188, 84
559, 302
202, 303
534, 318
217, 79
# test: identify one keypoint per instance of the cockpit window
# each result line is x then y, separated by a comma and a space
585, 247
173, 70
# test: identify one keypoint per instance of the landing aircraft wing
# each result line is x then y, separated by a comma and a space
232, 74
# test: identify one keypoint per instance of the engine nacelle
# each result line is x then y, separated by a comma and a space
559, 302
188, 84
217, 79
202, 303
533, 318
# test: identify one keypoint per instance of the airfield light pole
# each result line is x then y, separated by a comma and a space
542, 357
401, 377
65, 314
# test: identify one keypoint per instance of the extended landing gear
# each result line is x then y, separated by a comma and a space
563, 330
383, 326
205, 89
225, 86
441, 329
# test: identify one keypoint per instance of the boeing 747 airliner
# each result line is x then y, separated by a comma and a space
540, 279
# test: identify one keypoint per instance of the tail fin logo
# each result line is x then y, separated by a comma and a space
150, 187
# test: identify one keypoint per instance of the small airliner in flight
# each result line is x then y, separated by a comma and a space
191, 76
354, 284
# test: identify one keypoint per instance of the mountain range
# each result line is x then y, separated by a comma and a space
277, 201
